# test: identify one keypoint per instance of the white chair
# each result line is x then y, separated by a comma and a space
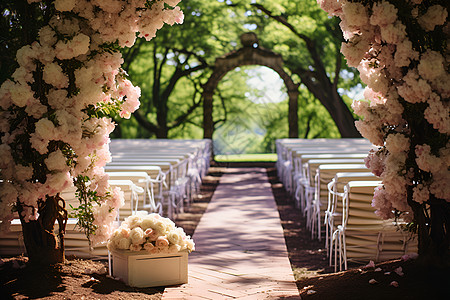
363, 236
333, 213
325, 170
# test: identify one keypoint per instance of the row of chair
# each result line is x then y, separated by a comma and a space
334, 189
161, 176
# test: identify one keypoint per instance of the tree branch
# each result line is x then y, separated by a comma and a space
283, 21
225, 114
310, 44
182, 118
145, 123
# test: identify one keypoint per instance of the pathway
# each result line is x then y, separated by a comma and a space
240, 249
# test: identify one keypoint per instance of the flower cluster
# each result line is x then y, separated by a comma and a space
55, 110
151, 233
400, 51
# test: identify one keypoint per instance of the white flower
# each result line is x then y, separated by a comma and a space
421, 193
47, 36
439, 186
438, 114
397, 143
149, 247
431, 65
123, 243
69, 49
355, 14
46, 129
393, 33
137, 235
54, 75
175, 237
435, 15
64, 5
414, 89
333, 7
135, 247
427, 161
20, 94
56, 161
24, 172
404, 54
174, 248
383, 13
355, 50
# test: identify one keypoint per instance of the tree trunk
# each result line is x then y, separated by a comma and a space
43, 246
433, 231
332, 101
162, 133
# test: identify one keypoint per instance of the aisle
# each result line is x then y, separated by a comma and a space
240, 249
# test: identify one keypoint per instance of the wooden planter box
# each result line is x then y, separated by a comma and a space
141, 269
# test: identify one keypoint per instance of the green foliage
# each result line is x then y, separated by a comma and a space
84, 212
171, 70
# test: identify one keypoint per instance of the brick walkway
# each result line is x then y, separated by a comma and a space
240, 249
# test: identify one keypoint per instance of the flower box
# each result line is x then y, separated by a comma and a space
141, 269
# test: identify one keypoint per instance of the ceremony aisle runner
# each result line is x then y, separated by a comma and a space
240, 247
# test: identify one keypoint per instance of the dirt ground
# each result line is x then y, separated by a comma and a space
88, 279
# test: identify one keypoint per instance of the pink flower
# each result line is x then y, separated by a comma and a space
383, 14
135, 247
431, 65
149, 247
333, 7
394, 284
371, 264
151, 234
162, 242
399, 271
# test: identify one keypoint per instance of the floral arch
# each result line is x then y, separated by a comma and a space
249, 54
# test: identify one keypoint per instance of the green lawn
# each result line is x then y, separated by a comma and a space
266, 157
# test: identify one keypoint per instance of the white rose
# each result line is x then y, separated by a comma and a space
137, 235
190, 244
123, 243
175, 237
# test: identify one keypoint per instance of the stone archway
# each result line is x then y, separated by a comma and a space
249, 54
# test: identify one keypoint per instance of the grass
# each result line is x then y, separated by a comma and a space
265, 157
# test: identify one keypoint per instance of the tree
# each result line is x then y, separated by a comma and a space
310, 45
55, 105
401, 51
180, 59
